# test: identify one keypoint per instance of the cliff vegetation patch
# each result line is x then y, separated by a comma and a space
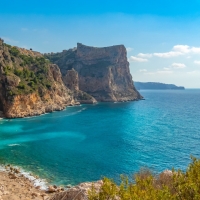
24, 73
173, 185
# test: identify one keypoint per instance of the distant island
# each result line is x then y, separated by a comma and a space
156, 86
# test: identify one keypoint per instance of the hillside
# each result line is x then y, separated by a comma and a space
156, 86
30, 84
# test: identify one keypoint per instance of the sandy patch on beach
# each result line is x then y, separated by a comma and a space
17, 187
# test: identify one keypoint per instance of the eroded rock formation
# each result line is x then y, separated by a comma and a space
29, 84
79, 192
71, 81
103, 72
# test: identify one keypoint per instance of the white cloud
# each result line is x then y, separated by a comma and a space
186, 49
165, 72
149, 73
181, 48
168, 54
166, 68
145, 55
137, 59
142, 70
128, 49
177, 50
194, 72
195, 50
197, 62
178, 65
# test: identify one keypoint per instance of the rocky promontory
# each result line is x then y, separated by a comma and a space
29, 84
32, 83
156, 86
103, 73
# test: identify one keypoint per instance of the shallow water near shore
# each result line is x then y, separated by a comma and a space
84, 143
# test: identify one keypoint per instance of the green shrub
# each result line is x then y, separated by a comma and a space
18, 72
14, 51
32, 75
21, 86
26, 73
31, 84
146, 186
35, 80
32, 71
7, 45
27, 60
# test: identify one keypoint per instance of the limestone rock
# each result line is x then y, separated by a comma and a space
71, 81
29, 84
79, 192
103, 73
13, 80
51, 189
84, 98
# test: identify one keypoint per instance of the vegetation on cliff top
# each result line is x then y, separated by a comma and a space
26, 73
175, 185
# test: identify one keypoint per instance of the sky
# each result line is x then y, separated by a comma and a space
162, 37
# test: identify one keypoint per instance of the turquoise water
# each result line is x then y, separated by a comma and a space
87, 142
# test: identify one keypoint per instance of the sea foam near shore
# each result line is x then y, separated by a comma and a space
37, 182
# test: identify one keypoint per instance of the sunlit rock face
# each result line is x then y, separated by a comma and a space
103, 72
30, 84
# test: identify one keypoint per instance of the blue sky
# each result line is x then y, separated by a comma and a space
162, 37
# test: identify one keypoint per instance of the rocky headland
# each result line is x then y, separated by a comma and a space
102, 73
32, 83
156, 86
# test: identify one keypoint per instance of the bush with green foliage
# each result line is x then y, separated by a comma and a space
32, 71
14, 51
179, 185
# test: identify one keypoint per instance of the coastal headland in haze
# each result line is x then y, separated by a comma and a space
156, 86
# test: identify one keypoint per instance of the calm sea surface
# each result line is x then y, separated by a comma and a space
87, 142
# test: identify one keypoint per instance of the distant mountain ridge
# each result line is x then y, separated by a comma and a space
156, 86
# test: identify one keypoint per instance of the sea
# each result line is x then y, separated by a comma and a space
88, 142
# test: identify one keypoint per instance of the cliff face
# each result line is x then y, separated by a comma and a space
103, 72
71, 80
29, 84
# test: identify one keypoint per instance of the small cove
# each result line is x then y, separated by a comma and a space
84, 143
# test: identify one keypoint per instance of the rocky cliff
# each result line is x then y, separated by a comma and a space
103, 72
29, 84
71, 80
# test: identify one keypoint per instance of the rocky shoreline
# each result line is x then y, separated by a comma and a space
17, 184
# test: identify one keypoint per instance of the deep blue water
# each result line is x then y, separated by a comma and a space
87, 142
